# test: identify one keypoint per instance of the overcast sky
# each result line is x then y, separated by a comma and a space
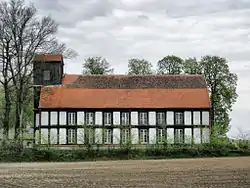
151, 29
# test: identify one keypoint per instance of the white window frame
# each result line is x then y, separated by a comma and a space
89, 118
107, 136
125, 136
161, 118
161, 135
179, 136
71, 118
71, 136
107, 118
143, 118
124, 118
46, 75
179, 118
143, 135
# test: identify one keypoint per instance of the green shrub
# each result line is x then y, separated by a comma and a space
16, 153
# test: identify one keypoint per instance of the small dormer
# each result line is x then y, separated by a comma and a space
48, 69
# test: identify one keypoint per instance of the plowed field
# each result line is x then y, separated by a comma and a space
206, 172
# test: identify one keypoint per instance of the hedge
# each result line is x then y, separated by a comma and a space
16, 153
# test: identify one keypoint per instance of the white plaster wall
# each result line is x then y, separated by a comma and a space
116, 118
196, 116
116, 136
53, 118
205, 135
62, 120
170, 135
44, 118
134, 135
80, 118
152, 118
62, 136
80, 136
187, 115
37, 119
53, 136
134, 118
44, 136
98, 118
205, 118
98, 136
152, 135
197, 135
188, 135
170, 118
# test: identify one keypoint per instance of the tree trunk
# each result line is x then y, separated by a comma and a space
6, 114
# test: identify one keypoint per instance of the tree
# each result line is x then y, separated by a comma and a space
191, 66
170, 65
222, 88
22, 36
139, 67
96, 65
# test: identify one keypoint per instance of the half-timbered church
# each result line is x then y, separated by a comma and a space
117, 109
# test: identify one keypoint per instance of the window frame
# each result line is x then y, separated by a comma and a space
143, 120
179, 120
69, 118
87, 118
143, 133
126, 117
71, 136
46, 75
106, 136
164, 118
107, 118
125, 136
179, 136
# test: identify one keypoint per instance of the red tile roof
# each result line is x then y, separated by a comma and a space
69, 78
48, 57
123, 97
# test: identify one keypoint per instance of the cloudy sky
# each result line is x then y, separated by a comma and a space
152, 29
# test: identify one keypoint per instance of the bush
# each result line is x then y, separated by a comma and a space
16, 153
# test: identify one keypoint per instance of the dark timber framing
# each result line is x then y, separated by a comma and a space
85, 110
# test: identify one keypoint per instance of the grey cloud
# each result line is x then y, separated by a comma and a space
69, 13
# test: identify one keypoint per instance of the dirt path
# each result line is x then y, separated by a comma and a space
207, 172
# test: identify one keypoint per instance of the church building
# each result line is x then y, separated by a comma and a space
117, 109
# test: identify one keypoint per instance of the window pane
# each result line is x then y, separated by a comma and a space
179, 118
125, 136
107, 136
46, 75
71, 136
89, 118
107, 118
161, 120
72, 118
143, 118
125, 118
179, 133
144, 136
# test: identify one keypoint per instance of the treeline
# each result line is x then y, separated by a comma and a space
220, 80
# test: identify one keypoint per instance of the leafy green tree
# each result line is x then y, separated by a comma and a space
139, 67
97, 65
191, 66
222, 88
170, 65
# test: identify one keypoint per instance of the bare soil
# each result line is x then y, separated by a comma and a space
205, 172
